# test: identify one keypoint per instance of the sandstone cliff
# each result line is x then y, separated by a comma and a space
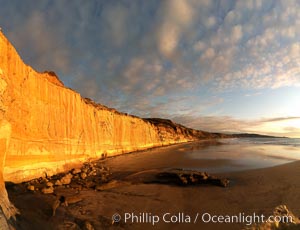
53, 127
47, 128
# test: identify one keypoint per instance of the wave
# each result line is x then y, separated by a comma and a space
293, 142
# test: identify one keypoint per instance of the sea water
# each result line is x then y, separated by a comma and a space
248, 153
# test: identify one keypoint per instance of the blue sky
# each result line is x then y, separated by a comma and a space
228, 66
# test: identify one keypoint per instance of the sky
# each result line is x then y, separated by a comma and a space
215, 65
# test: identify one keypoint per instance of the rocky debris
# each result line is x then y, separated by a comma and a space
90, 175
83, 175
189, 177
288, 221
66, 179
58, 183
48, 190
76, 171
49, 184
87, 226
282, 210
30, 187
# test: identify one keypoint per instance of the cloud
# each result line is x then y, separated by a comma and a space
224, 124
280, 119
115, 21
199, 46
138, 56
36, 39
210, 22
176, 16
208, 54
228, 124
237, 33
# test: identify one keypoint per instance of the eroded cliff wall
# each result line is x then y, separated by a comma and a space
53, 127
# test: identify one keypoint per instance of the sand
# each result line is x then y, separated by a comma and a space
252, 191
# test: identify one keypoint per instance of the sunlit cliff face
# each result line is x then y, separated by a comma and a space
53, 127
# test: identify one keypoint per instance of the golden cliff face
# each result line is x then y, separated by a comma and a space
53, 127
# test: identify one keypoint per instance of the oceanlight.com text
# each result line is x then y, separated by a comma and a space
243, 218
181, 217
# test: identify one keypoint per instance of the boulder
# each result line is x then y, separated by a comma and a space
76, 171
49, 184
66, 179
58, 183
48, 190
83, 176
189, 177
30, 188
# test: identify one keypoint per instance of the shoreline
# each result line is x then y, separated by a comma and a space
254, 190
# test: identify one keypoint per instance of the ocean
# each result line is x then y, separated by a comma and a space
248, 153
214, 156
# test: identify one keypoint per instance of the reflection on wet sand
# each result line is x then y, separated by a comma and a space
213, 156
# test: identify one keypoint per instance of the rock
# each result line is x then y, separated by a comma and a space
223, 182
30, 187
93, 172
58, 183
49, 184
83, 175
76, 171
183, 179
66, 179
48, 190
188, 177
88, 226
85, 170
281, 212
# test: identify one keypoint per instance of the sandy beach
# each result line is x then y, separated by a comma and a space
256, 191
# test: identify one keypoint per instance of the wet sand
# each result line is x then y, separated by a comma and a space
259, 191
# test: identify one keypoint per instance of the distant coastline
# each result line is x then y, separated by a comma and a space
253, 135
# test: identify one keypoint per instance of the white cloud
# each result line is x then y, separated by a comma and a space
176, 16
237, 33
